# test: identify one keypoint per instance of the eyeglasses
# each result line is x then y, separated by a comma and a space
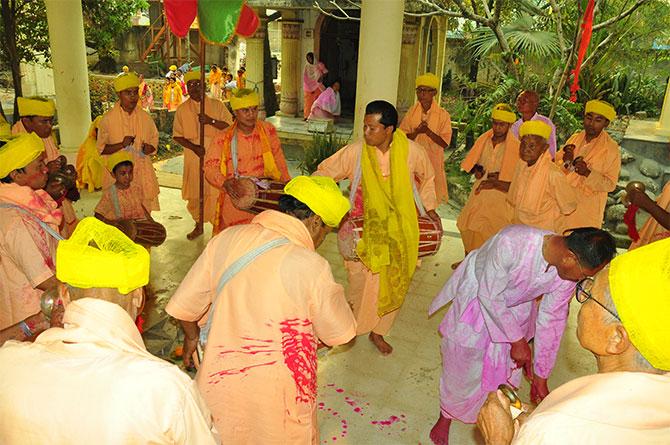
425, 90
583, 293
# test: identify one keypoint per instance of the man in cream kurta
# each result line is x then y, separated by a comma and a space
258, 374
186, 131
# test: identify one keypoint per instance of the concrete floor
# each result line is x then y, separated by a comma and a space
364, 398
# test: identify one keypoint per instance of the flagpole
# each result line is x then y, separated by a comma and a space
203, 89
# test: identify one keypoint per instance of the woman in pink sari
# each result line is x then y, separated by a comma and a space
327, 105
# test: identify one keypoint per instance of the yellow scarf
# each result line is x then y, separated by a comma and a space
270, 169
390, 241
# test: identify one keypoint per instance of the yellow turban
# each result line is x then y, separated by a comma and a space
429, 80
602, 108
173, 67
125, 68
538, 128
126, 80
640, 287
19, 152
35, 106
503, 113
322, 195
191, 75
116, 158
244, 98
100, 255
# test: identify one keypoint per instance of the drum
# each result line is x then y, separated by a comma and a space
145, 232
259, 194
349, 234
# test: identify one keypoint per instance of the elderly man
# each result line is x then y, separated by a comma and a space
37, 116
29, 224
539, 195
128, 127
249, 147
258, 374
186, 131
492, 161
591, 161
96, 367
430, 125
526, 104
494, 314
623, 321
382, 170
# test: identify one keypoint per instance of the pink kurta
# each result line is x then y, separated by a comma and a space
311, 84
439, 121
250, 163
187, 125
538, 117
117, 124
493, 295
258, 375
130, 204
50, 146
363, 284
614, 408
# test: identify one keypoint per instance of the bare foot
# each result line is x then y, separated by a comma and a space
380, 343
195, 233
455, 265
440, 432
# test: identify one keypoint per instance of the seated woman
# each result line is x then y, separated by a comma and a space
327, 105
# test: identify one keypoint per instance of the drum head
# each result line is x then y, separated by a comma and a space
248, 194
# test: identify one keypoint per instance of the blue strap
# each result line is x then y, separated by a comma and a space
233, 153
115, 201
230, 272
42, 224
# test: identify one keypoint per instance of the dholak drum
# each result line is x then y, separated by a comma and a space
259, 194
349, 234
143, 231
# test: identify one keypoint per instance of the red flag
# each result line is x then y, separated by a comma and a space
248, 22
180, 15
587, 29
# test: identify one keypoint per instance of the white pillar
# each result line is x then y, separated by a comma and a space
378, 55
255, 58
68, 58
663, 125
290, 63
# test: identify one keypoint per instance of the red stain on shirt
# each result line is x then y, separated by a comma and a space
299, 349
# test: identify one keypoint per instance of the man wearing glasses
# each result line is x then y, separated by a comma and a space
495, 313
624, 321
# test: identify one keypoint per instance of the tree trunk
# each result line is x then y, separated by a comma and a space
9, 37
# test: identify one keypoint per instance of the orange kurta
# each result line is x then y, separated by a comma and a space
651, 230
187, 125
130, 204
250, 163
258, 375
50, 146
363, 284
439, 122
117, 124
172, 96
603, 158
540, 195
485, 213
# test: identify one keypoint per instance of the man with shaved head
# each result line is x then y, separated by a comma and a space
527, 103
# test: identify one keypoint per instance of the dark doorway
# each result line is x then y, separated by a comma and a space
338, 50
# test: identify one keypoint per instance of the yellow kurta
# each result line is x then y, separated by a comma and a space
187, 125
363, 284
603, 157
258, 374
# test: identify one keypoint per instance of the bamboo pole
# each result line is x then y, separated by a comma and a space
201, 198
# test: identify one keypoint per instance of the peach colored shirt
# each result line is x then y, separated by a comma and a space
603, 157
130, 204
187, 125
117, 124
540, 195
651, 230
439, 121
250, 163
258, 375
50, 146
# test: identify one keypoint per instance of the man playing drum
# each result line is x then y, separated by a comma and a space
249, 147
388, 248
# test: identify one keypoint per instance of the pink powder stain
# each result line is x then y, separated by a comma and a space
386, 422
234, 371
299, 349
357, 409
340, 390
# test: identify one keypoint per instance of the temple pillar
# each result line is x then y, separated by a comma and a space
68, 58
441, 53
290, 63
379, 52
255, 58
409, 54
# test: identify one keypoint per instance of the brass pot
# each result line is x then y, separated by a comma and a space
633, 185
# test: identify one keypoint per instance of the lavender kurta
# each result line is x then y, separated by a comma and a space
493, 296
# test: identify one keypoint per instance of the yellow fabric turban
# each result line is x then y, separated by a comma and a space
640, 287
244, 98
35, 106
538, 128
19, 152
602, 108
503, 113
100, 255
322, 195
173, 67
126, 80
191, 75
429, 80
116, 158
125, 68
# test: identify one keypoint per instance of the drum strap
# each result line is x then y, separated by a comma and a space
42, 224
115, 201
230, 272
357, 181
233, 153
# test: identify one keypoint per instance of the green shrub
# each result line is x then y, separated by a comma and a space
321, 147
